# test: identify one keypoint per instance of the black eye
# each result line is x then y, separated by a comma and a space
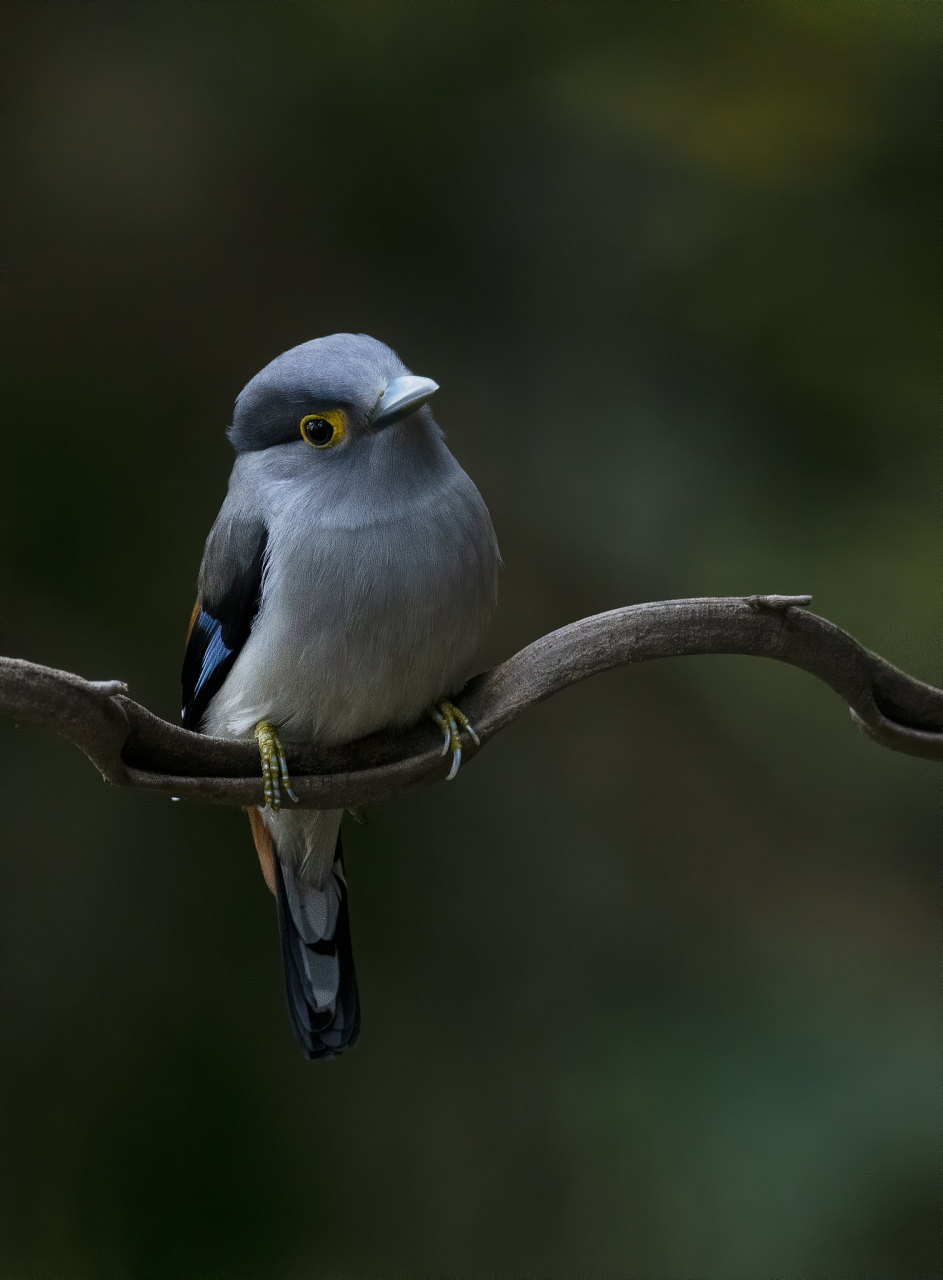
324, 430
318, 431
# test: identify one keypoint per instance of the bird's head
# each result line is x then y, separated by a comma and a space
327, 395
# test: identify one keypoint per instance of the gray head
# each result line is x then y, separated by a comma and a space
325, 392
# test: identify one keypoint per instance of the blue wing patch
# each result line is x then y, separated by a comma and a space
206, 665
218, 630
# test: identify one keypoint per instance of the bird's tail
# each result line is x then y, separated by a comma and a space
307, 867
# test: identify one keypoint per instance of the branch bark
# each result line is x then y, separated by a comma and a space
134, 748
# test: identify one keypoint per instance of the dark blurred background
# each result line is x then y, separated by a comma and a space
653, 987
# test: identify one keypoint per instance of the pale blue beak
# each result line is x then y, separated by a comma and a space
401, 397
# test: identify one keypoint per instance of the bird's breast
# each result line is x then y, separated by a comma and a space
363, 625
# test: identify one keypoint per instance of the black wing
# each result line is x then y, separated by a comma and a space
230, 590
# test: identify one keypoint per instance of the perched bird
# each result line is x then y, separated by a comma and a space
345, 587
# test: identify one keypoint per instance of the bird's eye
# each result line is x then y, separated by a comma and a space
318, 431
322, 430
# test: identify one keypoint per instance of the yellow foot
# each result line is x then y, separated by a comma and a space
273, 765
448, 718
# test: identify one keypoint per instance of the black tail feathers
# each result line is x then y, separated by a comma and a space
323, 1004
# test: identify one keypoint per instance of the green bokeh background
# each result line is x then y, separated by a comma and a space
653, 988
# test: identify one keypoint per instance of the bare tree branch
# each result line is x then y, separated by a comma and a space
134, 748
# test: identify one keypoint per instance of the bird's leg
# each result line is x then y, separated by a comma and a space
273, 765
448, 717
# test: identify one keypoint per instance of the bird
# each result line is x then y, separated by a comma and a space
345, 587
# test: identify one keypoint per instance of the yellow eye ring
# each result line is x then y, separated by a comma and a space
314, 428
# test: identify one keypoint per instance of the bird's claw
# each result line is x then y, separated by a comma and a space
274, 768
448, 717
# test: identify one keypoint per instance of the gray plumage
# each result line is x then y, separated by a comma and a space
371, 567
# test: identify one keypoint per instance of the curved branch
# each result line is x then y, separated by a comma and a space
132, 747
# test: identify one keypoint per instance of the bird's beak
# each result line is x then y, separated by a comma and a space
402, 396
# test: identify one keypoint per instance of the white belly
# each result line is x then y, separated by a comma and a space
361, 628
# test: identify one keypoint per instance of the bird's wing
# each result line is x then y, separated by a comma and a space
230, 589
